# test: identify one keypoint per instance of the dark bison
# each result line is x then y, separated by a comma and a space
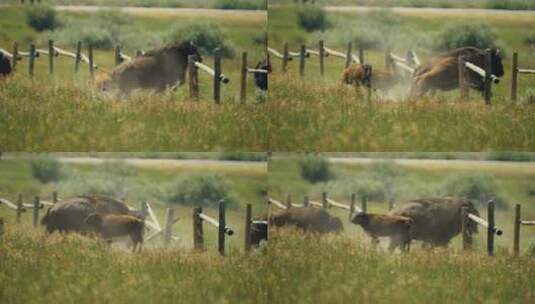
69, 214
158, 70
5, 65
442, 72
363, 75
261, 79
436, 220
108, 226
306, 219
382, 225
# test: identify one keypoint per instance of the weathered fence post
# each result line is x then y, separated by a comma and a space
364, 204
35, 211
78, 57
54, 197
285, 56
467, 237
217, 76
462, 78
169, 226
352, 205
19, 208
248, 221
143, 209
51, 56
388, 59
289, 201
90, 57
324, 200
1, 227
222, 225
491, 228
361, 55
118, 58
198, 235
514, 77
390, 203
32, 59
349, 54
243, 79
15, 54
306, 201
321, 55
302, 54
193, 78
516, 244
488, 72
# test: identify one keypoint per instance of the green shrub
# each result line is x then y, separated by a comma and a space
206, 36
46, 169
312, 18
315, 168
458, 35
199, 190
243, 156
42, 17
530, 39
99, 37
479, 188
241, 4
528, 96
511, 4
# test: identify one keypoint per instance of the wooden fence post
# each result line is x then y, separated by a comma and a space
364, 204
248, 219
222, 225
462, 78
302, 54
467, 237
289, 201
243, 79
118, 58
390, 203
32, 59
19, 208
321, 55
35, 211
361, 55
514, 77
217, 76
198, 235
54, 197
388, 59
90, 57
193, 78
488, 72
306, 201
490, 229
15, 54
324, 200
78, 57
285, 56
169, 226
1, 226
143, 209
516, 244
51, 52
352, 205
349, 54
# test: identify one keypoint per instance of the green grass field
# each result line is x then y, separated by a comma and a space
226, 4
32, 108
318, 113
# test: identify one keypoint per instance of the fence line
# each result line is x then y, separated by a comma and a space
245, 70
518, 222
223, 229
514, 78
489, 224
218, 76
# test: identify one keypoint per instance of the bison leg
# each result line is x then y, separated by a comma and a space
137, 240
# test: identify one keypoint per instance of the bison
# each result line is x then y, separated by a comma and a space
382, 225
442, 72
158, 70
5, 65
69, 214
436, 220
261, 79
363, 75
116, 225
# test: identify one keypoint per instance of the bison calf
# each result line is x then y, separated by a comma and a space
364, 75
380, 225
112, 225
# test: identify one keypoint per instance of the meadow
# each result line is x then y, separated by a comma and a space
218, 4
318, 112
31, 108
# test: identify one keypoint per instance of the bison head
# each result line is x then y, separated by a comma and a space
496, 59
189, 48
359, 218
94, 221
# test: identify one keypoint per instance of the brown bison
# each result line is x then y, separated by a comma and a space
442, 72
436, 220
261, 79
5, 65
69, 214
158, 70
381, 225
363, 75
116, 225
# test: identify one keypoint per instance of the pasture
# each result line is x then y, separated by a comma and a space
145, 122
344, 120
